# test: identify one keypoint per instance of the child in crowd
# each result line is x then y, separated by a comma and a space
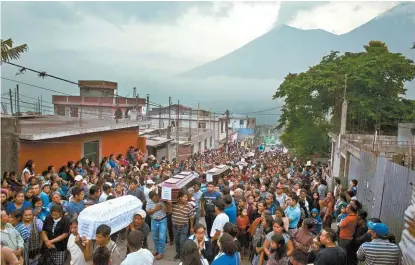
318, 223
242, 222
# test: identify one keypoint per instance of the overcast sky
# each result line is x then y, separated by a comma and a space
195, 31
134, 43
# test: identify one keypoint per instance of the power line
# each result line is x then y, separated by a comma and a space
43, 74
261, 111
49, 107
52, 90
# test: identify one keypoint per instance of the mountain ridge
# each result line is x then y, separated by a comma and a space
285, 49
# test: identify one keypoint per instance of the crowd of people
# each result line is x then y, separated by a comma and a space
269, 210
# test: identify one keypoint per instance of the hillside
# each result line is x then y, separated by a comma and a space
286, 49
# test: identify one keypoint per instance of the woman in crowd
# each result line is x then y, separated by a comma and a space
19, 202
203, 243
191, 254
228, 253
258, 239
28, 171
278, 228
55, 233
277, 251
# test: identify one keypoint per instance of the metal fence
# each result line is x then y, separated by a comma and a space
385, 189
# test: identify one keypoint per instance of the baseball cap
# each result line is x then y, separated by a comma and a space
78, 178
380, 229
142, 213
150, 182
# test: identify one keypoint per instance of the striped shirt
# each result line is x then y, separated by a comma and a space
182, 214
379, 252
23, 231
160, 214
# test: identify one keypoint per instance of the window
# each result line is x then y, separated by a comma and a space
74, 111
91, 151
60, 110
241, 122
202, 125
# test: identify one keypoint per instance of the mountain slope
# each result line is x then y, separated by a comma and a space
286, 49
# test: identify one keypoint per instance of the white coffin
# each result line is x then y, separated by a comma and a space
116, 213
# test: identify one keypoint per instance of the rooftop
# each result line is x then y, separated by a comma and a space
156, 140
50, 126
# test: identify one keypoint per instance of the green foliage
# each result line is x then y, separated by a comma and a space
374, 81
8, 52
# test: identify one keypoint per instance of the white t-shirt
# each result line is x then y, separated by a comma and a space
220, 220
103, 197
140, 257
77, 256
204, 262
25, 170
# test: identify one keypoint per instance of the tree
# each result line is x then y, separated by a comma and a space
313, 99
8, 52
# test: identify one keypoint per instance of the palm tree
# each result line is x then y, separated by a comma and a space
8, 52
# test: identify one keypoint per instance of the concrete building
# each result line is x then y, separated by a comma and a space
98, 100
237, 122
347, 147
208, 130
55, 140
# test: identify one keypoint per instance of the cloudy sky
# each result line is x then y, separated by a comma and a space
137, 42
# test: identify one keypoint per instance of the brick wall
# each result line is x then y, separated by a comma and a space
9, 145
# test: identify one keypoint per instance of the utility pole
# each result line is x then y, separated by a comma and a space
227, 131
81, 114
18, 100
190, 124
177, 129
214, 129
159, 116
41, 105
198, 109
148, 106
343, 121
18, 108
410, 159
11, 102
117, 104
169, 111
15, 99
169, 125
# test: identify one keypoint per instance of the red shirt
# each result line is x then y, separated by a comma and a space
242, 222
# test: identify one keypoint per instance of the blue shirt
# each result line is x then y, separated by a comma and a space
43, 214
230, 211
112, 163
197, 196
74, 208
210, 199
223, 259
12, 207
294, 214
45, 199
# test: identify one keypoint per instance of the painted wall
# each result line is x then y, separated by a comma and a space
58, 151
